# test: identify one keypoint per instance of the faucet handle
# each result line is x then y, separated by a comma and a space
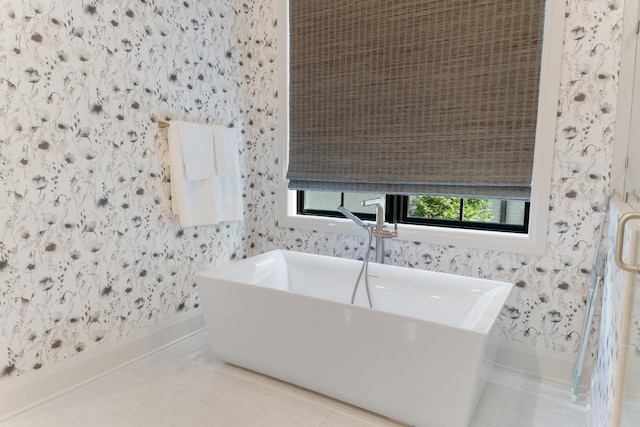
387, 233
377, 201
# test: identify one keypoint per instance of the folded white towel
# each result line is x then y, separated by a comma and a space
196, 143
204, 201
228, 191
227, 151
192, 201
227, 185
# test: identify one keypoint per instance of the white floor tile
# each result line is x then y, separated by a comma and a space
133, 398
270, 407
49, 413
54, 420
89, 414
520, 401
338, 419
361, 415
189, 378
341, 420
203, 355
67, 410
209, 416
190, 345
184, 385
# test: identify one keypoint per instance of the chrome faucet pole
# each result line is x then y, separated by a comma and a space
379, 228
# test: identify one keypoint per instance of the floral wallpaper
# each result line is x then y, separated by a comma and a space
89, 251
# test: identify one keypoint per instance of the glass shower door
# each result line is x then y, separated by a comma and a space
628, 248
626, 180
632, 170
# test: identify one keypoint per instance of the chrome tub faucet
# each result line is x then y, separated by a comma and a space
378, 229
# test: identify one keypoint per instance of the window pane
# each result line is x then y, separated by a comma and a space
491, 211
480, 210
436, 207
322, 200
515, 213
353, 202
494, 211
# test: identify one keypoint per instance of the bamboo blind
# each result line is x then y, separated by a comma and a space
414, 97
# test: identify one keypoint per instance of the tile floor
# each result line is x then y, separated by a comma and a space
183, 385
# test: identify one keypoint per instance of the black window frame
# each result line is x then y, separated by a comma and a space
397, 210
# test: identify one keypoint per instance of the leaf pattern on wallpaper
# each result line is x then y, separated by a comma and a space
89, 251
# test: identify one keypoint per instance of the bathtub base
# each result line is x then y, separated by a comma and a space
388, 365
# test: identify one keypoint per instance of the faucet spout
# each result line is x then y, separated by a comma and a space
344, 211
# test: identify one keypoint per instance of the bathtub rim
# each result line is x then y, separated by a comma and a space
481, 326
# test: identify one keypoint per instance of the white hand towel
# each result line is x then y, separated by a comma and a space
205, 201
196, 143
192, 201
227, 151
227, 182
228, 191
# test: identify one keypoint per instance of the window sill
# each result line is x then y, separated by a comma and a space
478, 239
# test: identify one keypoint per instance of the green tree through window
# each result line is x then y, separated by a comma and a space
453, 208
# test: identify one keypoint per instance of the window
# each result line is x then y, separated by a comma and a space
439, 211
413, 228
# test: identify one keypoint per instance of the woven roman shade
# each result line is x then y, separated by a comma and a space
414, 97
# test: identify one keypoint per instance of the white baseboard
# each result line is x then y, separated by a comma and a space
538, 362
22, 393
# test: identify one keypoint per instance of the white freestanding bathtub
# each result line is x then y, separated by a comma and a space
416, 357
